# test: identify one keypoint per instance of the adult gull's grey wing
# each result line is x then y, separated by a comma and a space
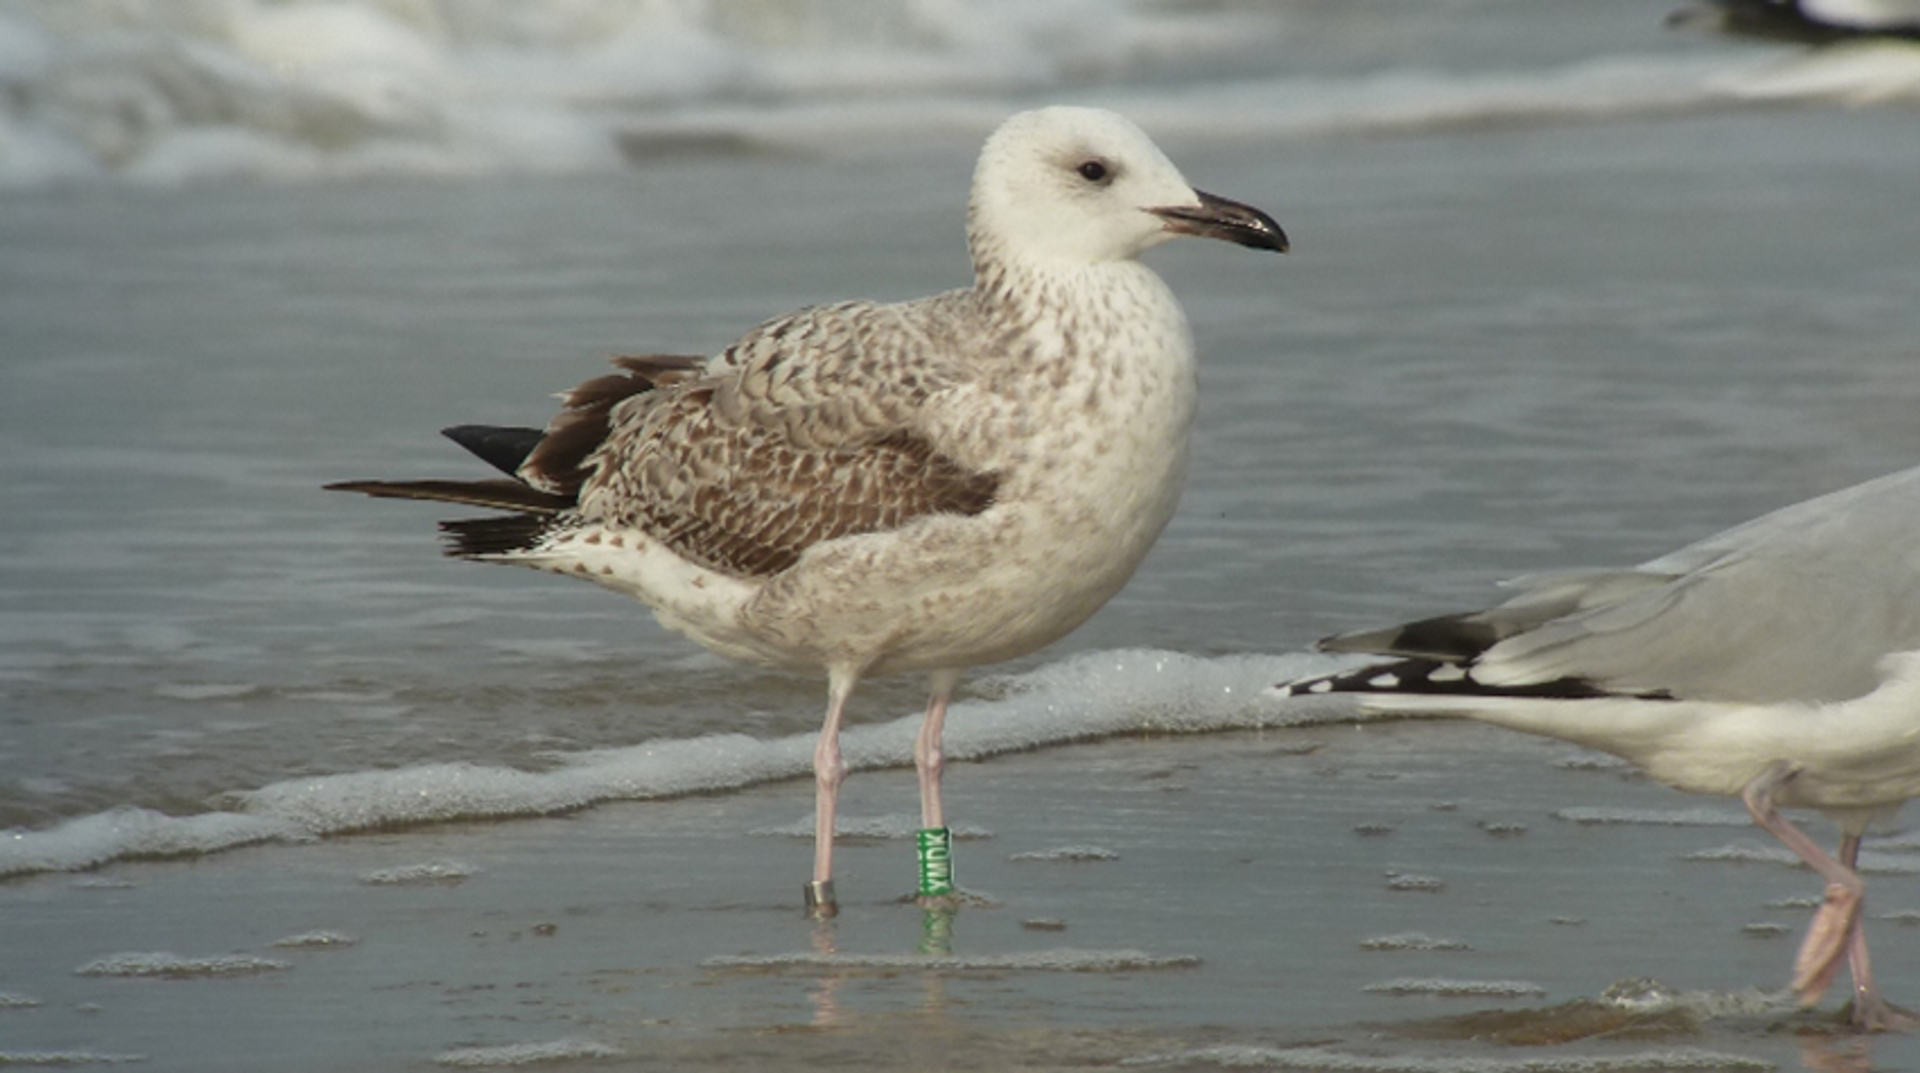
1801, 604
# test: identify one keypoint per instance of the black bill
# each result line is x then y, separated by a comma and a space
1217, 217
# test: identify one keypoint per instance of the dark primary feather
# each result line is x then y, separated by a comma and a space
502, 448
1455, 638
494, 493
1435, 657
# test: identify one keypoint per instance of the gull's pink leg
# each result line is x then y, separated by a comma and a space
928, 759
829, 770
1833, 931
1870, 1011
1830, 932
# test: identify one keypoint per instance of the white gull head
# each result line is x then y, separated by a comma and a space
1073, 187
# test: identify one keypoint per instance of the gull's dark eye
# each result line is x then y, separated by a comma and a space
1094, 171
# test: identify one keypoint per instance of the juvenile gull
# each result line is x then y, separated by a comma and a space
920, 486
1779, 660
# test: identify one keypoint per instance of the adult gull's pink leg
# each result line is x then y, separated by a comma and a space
1830, 931
1870, 1011
1836, 928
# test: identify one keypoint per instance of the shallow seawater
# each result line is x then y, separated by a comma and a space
1489, 354
1241, 912
284, 789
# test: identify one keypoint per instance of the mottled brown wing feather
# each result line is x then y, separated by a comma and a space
744, 499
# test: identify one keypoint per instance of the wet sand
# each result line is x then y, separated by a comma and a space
1421, 896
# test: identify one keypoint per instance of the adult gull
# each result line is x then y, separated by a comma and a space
1816, 22
927, 485
1779, 660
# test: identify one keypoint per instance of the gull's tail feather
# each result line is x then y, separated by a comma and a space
495, 535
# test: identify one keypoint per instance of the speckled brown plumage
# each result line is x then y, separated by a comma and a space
742, 469
739, 466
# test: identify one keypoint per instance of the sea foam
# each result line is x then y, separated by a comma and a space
1083, 698
162, 94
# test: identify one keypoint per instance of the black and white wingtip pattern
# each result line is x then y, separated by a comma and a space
1439, 678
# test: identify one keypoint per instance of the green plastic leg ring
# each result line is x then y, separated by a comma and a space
936, 861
